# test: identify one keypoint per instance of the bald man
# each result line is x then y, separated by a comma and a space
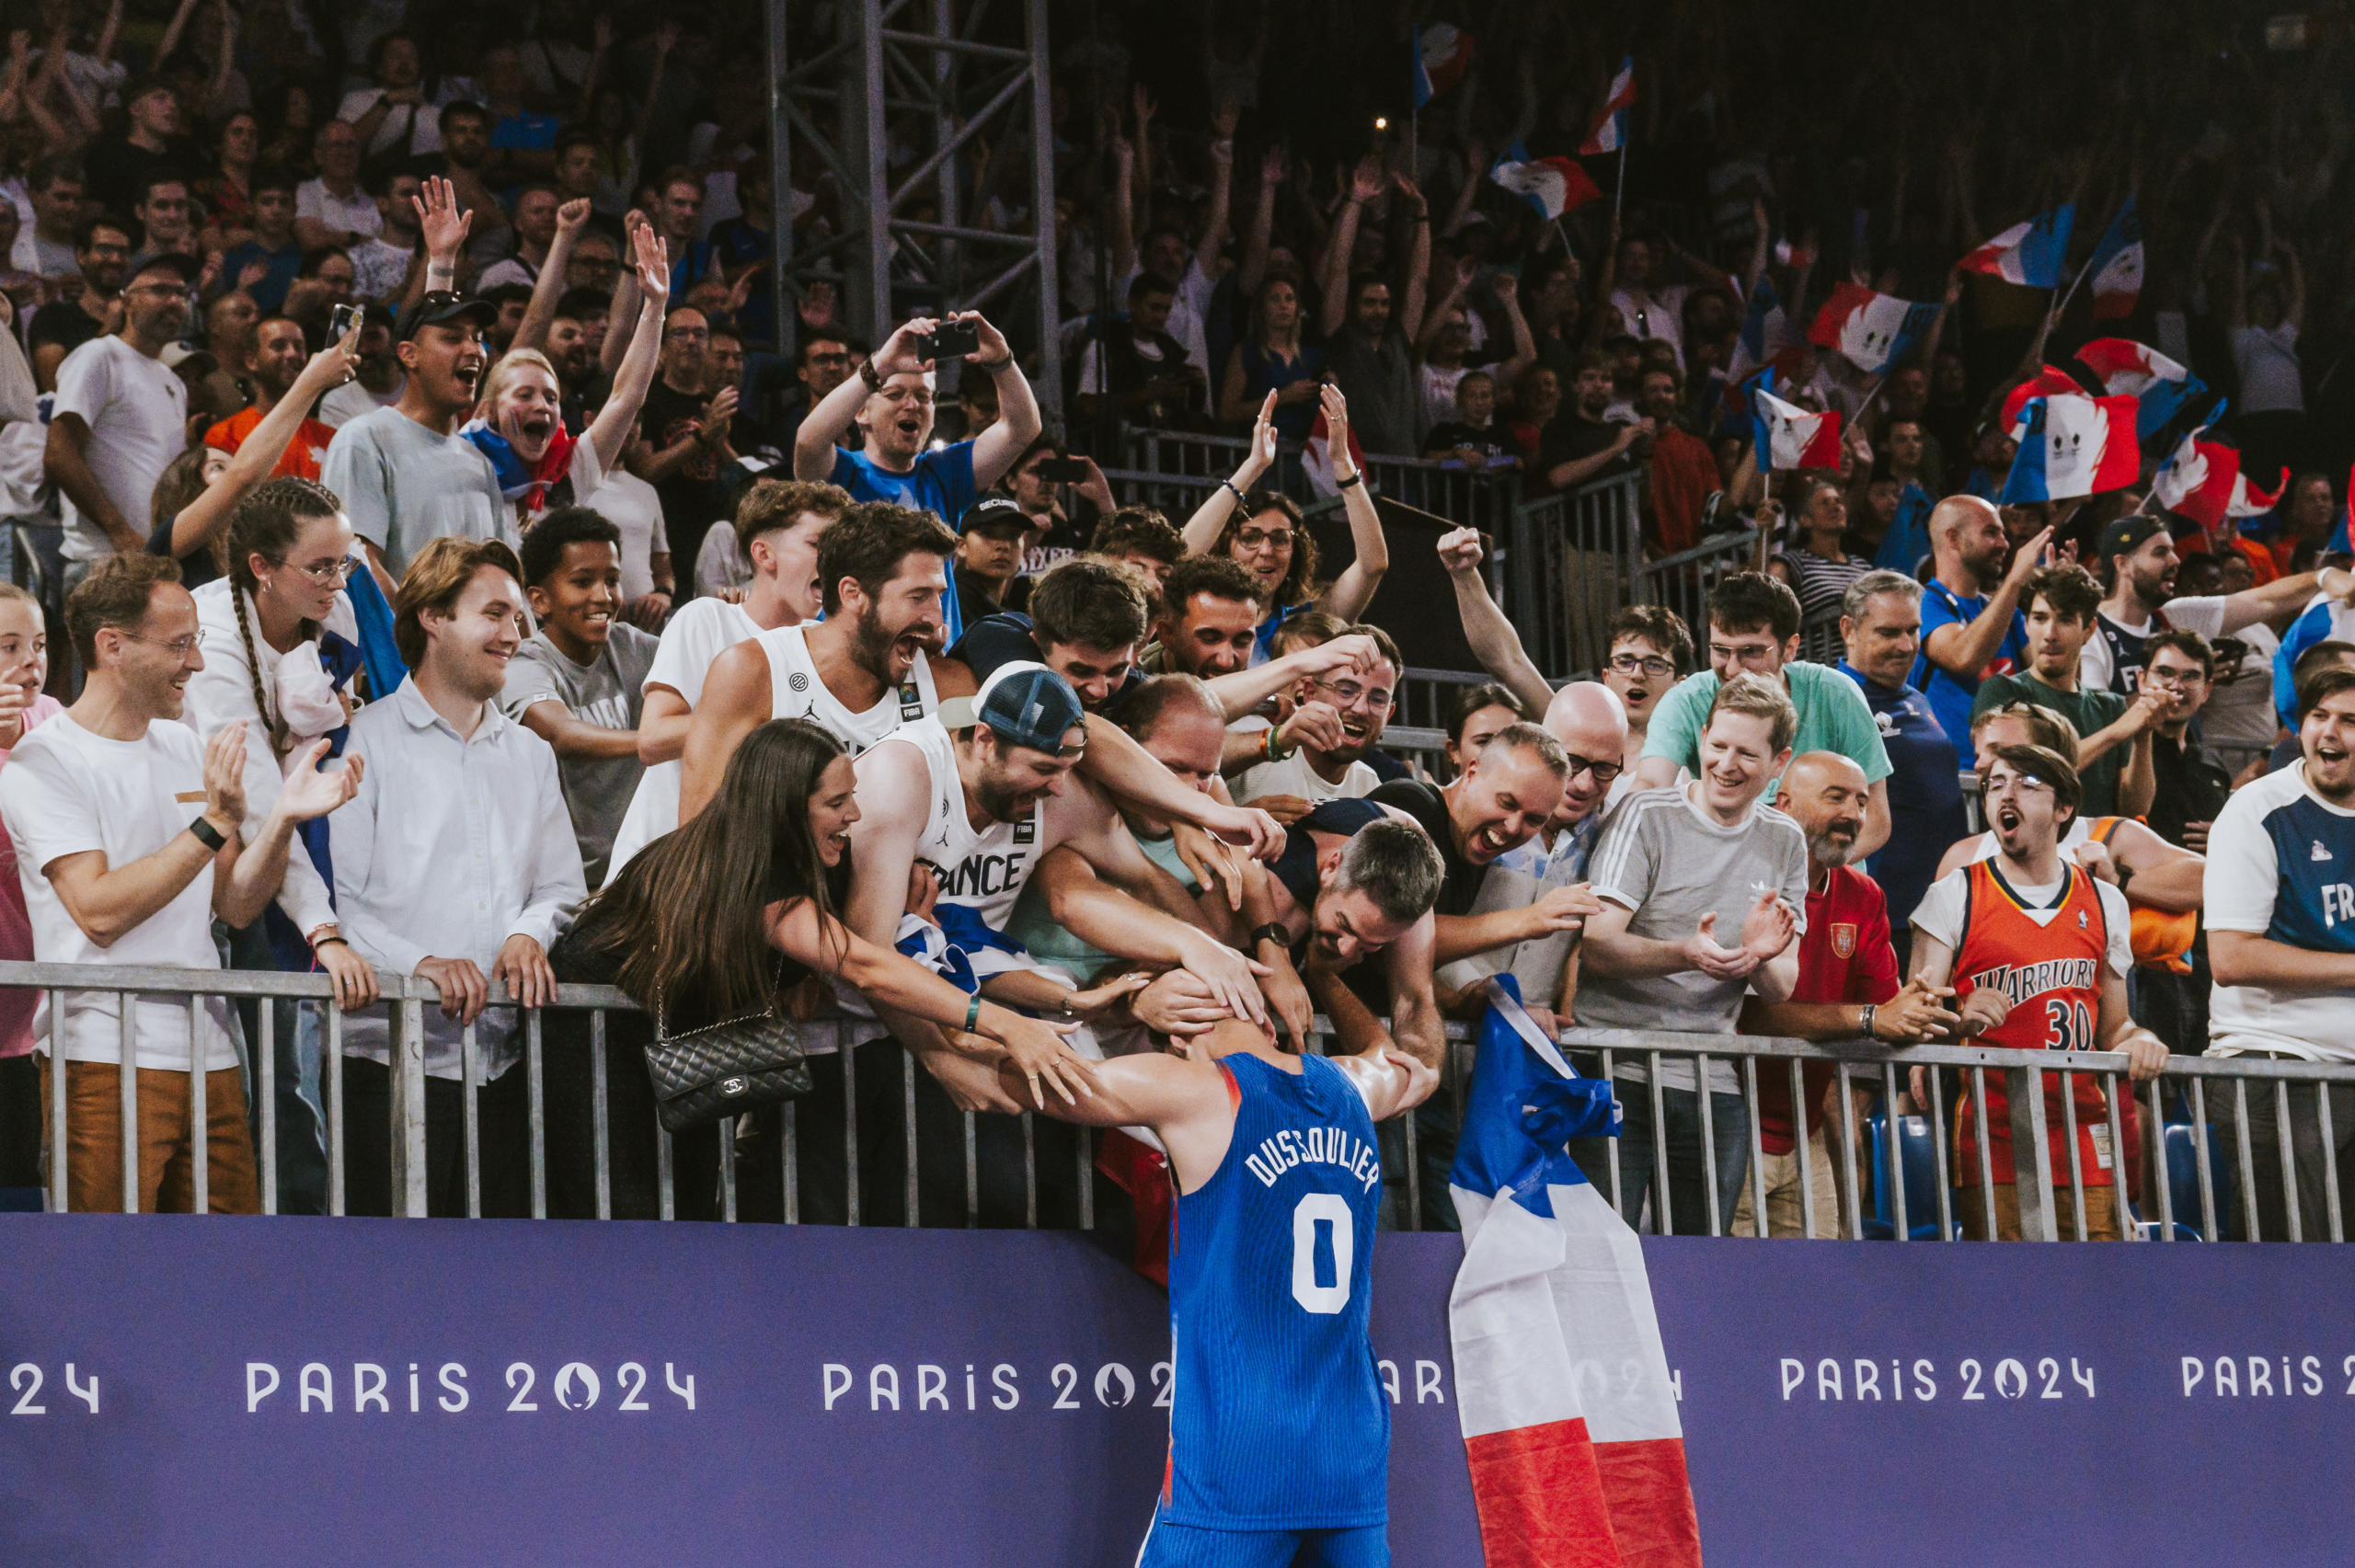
1847, 989
1590, 724
1971, 626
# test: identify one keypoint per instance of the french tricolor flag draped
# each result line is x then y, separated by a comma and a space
1553, 186
1871, 330
1788, 436
2027, 252
2072, 445
2161, 388
1610, 132
1569, 1417
2197, 482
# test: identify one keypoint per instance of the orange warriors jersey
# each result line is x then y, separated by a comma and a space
2051, 973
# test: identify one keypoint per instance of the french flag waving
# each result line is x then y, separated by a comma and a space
1610, 132
1442, 53
2117, 266
2197, 482
2161, 388
1569, 1467
2046, 383
1766, 332
1553, 186
1790, 437
2072, 445
2027, 252
2248, 500
1871, 330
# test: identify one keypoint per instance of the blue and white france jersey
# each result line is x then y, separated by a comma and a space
2282, 865
1278, 1421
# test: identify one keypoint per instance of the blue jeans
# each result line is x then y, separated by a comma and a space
1687, 1174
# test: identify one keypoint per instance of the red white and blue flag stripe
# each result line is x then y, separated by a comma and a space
2117, 266
1766, 333
1442, 53
1788, 436
1553, 186
2198, 480
1571, 1463
2161, 388
2072, 445
2027, 252
1871, 330
2048, 381
1610, 132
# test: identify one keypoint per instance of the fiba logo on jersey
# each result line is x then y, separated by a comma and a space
797, 680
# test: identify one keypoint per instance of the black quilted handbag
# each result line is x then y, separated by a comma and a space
708, 1075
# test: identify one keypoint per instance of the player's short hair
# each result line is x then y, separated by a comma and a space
542, 552
2053, 768
866, 544
2045, 727
2068, 589
1394, 864
1758, 696
1150, 701
1753, 601
780, 503
1871, 586
1470, 700
2186, 642
1656, 624
1093, 603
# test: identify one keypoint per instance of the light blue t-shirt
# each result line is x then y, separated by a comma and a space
941, 483
1833, 717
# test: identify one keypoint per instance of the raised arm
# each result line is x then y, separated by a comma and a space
540, 310
823, 427
1365, 184
1962, 649
1214, 228
1209, 520
623, 306
1263, 224
1418, 258
613, 423
207, 516
998, 447
1494, 641
736, 701
1353, 590
1124, 223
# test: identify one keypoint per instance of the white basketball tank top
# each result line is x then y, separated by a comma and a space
984, 871
795, 692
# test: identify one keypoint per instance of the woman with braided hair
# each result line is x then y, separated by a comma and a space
281, 650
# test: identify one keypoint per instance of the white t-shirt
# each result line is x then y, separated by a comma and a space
1941, 912
699, 632
348, 402
630, 504
1656, 313
378, 270
66, 791
2240, 715
355, 213
1187, 313
137, 412
2269, 367
2281, 865
2204, 615
1091, 362
1439, 394
1294, 776
426, 117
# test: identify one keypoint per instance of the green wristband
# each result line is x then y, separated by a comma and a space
974, 1014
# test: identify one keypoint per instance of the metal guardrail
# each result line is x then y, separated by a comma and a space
2052, 1203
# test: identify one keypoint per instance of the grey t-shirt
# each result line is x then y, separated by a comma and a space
609, 693
1667, 860
402, 486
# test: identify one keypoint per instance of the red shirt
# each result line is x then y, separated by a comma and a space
1682, 475
303, 454
1844, 957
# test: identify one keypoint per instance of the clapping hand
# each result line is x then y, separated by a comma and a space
1770, 926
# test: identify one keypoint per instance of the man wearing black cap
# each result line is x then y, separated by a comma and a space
120, 417
405, 479
989, 553
2138, 557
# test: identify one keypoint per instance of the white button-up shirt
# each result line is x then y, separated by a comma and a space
449, 848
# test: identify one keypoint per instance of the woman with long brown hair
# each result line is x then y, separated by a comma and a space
715, 921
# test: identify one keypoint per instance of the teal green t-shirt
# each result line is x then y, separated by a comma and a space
1032, 926
1833, 717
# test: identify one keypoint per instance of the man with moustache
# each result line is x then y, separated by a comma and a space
120, 417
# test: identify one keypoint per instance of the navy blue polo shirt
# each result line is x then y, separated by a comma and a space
1925, 793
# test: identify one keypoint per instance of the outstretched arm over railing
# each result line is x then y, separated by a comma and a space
1494, 642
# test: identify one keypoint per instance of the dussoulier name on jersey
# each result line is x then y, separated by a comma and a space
1316, 1146
2020, 981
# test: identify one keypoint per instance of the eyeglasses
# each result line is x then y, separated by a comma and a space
1604, 772
178, 647
1251, 539
1641, 664
1348, 695
334, 571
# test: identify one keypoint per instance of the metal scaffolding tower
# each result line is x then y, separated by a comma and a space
922, 115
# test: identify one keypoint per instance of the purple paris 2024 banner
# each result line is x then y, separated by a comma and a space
367, 1392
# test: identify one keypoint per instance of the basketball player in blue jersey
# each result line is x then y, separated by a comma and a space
1279, 1428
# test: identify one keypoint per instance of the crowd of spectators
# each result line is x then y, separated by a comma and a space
468, 563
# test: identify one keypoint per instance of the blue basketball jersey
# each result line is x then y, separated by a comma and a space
1277, 1420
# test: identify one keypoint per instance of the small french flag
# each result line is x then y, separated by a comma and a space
2161, 388
2197, 482
2072, 445
2117, 266
2027, 252
1569, 1413
1610, 132
1766, 331
1790, 437
1553, 186
1442, 53
1871, 330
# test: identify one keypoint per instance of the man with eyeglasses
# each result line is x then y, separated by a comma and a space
130, 839
1360, 699
102, 250
684, 433
120, 418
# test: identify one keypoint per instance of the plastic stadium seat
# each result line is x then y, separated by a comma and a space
1920, 1165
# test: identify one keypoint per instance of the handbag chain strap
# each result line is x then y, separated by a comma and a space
662, 1035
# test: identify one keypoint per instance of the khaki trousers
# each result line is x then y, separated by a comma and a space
167, 1141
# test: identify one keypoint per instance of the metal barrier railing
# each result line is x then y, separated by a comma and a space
1682, 581
2052, 1203
1568, 564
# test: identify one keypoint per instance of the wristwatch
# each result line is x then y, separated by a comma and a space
1272, 932
869, 374
1870, 1010
208, 835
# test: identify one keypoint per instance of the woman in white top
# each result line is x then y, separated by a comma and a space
518, 421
